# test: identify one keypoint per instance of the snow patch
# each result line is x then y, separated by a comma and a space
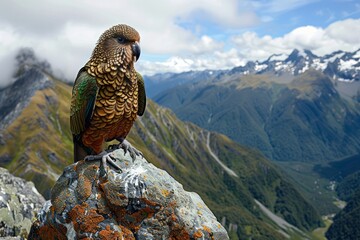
318, 65
344, 65
260, 67
333, 58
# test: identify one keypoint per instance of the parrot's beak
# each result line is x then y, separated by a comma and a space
136, 50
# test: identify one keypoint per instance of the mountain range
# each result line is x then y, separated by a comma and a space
291, 110
300, 110
341, 66
250, 195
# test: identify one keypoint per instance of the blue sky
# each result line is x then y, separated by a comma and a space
316, 13
177, 35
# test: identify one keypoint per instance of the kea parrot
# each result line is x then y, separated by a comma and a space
107, 96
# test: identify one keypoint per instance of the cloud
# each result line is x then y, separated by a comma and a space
336, 36
345, 32
218, 60
249, 46
7, 63
65, 32
7, 58
176, 35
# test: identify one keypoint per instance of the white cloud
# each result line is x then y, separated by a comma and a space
346, 32
217, 60
337, 36
65, 32
250, 46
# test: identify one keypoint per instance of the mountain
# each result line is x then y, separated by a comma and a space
239, 185
343, 68
159, 82
33, 109
298, 118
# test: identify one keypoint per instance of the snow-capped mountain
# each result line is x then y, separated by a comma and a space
339, 65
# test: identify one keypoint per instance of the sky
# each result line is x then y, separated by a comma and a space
176, 35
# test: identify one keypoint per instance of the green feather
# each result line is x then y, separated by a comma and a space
83, 101
141, 95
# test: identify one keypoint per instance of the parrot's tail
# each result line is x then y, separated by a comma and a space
80, 151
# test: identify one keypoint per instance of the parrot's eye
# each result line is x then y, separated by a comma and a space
121, 40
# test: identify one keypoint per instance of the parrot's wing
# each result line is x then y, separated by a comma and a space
83, 101
141, 95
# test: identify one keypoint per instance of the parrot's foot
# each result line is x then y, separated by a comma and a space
105, 157
127, 147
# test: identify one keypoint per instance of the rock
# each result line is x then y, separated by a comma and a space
19, 204
139, 201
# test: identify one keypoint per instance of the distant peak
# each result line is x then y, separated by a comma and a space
26, 58
310, 54
293, 56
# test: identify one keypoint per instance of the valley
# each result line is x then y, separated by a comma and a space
302, 111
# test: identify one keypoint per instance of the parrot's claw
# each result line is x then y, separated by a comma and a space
105, 157
127, 147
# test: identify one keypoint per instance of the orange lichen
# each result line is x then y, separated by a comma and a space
197, 234
49, 232
108, 234
132, 220
207, 229
85, 219
178, 232
165, 192
127, 234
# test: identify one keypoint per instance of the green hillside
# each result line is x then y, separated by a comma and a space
346, 174
37, 145
346, 223
299, 118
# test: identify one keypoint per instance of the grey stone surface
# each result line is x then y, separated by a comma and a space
140, 201
19, 204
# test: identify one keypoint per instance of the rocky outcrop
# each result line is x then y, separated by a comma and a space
140, 201
19, 203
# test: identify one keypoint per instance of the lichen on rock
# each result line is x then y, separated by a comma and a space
138, 202
19, 203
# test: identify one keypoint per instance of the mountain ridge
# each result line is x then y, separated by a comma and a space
339, 66
306, 109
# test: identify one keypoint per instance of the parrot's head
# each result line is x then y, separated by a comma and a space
118, 46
